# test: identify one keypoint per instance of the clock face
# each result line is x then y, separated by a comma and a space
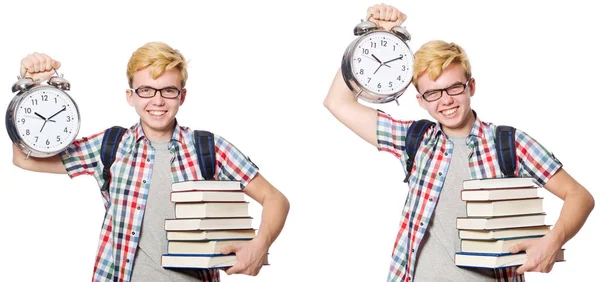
47, 119
382, 63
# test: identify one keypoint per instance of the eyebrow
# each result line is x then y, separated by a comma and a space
438, 89
148, 86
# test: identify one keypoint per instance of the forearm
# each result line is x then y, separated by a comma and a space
339, 94
275, 208
49, 165
576, 208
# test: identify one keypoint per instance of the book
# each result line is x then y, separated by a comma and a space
211, 209
495, 260
207, 196
197, 261
199, 247
201, 235
215, 185
505, 207
185, 224
490, 246
495, 183
200, 261
509, 233
499, 194
487, 223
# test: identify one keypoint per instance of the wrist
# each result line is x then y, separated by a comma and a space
556, 237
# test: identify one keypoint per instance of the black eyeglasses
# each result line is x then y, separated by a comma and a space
436, 94
149, 92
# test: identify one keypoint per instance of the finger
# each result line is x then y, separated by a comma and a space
229, 249
519, 247
401, 17
388, 13
527, 266
26, 65
36, 61
236, 268
45, 63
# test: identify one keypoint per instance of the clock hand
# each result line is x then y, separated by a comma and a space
380, 63
39, 115
399, 58
377, 69
39, 118
63, 109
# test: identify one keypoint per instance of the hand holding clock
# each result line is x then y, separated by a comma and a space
38, 66
385, 16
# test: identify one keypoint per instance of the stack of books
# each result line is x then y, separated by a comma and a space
501, 212
209, 215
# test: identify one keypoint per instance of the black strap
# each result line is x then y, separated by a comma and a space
414, 136
204, 142
505, 148
108, 151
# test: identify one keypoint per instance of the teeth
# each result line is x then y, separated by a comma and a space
449, 112
156, 113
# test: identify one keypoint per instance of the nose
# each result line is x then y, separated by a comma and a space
158, 99
446, 99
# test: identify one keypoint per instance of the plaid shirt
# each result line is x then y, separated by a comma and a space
131, 176
429, 171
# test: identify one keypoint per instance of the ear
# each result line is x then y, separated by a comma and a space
421, 101
472, 87
129, 94
183, 94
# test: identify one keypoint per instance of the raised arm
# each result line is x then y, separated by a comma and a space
340, 100
40, 67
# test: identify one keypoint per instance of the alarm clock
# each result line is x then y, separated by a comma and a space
42, 119
378, 65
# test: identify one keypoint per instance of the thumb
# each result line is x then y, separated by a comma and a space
229, 249
519, 247
55, 64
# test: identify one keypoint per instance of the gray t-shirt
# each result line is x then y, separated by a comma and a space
153, 237
435, 259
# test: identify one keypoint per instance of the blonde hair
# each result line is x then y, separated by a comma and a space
435, 56
158, 57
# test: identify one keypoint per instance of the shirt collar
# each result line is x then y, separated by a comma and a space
177, 133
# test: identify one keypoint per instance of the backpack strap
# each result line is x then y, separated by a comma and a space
204, 142
414, 136
108, 151
505, 148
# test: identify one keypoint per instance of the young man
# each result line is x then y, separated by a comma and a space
458, 147
152, 154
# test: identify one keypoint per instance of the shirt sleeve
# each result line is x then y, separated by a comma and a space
232, 164
391, 135
534, 160
83, 156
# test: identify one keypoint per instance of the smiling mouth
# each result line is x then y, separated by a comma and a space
157, 113
449, 112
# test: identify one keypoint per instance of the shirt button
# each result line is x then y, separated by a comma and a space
421, 223
440, 173
138, 207
430, 199
446, 153
133, 233
127, 260
144, 181
148, 159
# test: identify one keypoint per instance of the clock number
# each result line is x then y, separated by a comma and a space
366, 51
359, 59
27, 132
379, 85
390, 84
23, 121
373, 45
403, 68
361, 71
47, 142
399, 77
34, 102
369, 79
394, 47
28, 110
55, 101
44, 97
57, 138
383, 43
65, 130
68, 118
36, 138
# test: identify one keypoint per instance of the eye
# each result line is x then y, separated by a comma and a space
144, 90
170, 91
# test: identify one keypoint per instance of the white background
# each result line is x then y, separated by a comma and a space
259, 72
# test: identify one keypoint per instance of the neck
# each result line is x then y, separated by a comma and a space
159, 135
